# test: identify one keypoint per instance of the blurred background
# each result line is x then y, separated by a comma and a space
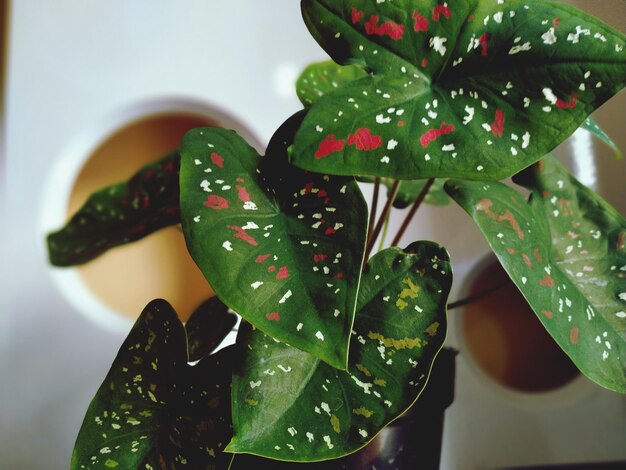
93, 90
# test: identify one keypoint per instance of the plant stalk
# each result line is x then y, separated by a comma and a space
393, 192
412, 211
373, 208
477, 297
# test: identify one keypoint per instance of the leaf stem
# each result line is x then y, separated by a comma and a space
412, 211
373, 207
391, 196
478, 296
385, 230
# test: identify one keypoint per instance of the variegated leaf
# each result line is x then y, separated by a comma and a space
120, 214
291, 406
322, 77
475, 89
566, 251
279, 245
153, 410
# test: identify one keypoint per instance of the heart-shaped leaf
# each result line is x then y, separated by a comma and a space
120, 214
474, 89
280, 246
207, 327
319, 78
155, 411
566, 251
591, 125
408, 190
291, 406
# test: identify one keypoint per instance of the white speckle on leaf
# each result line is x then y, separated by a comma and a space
319, 336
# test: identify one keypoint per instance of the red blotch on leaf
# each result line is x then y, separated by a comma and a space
338, 276
394, 30
441, 10
283, 273
484, 44
261, 258
555, 22
330, 231
364, 140
274, 316
424, 62
497, 128
242, 235
243, 194
320, 257
216, 202
239, 180
548, 314
547, 281
322, 193
573, 336
421, 22
329, 145
356, 15
217, 160
561, 104
271, 269
433, 134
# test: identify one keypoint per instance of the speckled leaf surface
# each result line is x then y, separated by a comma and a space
473, 89
207, 327
155, 411
319, 78
592, 126
291, 406
120, 214
279, 245
410, 189
566, 252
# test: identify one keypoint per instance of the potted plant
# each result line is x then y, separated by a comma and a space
338, 342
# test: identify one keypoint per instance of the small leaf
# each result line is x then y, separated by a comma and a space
322, 77
591, 125
279, 245
566, 251
155, 411
207, 327
291, 406
120, 214
410, 189
470, 89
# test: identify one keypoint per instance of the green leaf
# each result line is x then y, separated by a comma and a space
468, 88
566, 251
319, 78
591, 125
279, 245
410, 189
207, 327
120, 214
291, 406
153, 410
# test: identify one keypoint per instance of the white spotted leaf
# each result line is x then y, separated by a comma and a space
155, 411
292, 406
473, 89
279, 245
565, 249
119, 214
319, 78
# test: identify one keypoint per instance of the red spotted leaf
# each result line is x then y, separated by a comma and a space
285, 247
153, 410
565, 249
474, 89
120, 214
292, 406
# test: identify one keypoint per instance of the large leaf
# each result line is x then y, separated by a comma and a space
474, 89
280, 246
566, 251
153, 410
319, 78
120, 214
207, 327
292, 406
410, 189
592, 126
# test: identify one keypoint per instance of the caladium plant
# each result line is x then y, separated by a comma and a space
335, 344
